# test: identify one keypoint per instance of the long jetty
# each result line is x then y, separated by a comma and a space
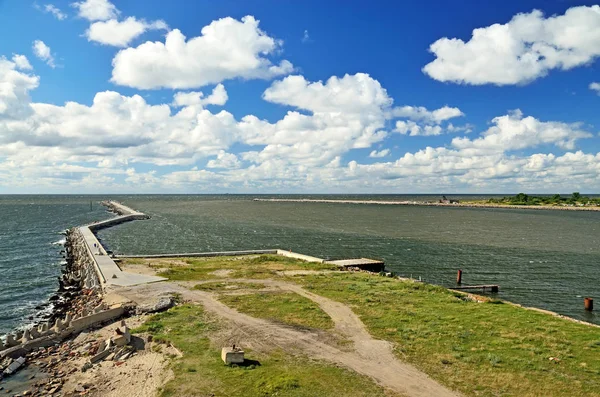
107, 269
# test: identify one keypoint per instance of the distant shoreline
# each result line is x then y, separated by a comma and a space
429, 204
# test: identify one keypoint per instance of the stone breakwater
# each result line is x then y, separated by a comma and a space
76, 305
120, 209
77, 302
429, 204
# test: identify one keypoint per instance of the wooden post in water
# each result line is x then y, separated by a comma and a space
459, 277
588, 303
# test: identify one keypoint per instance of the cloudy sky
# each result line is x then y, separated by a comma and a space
299, 97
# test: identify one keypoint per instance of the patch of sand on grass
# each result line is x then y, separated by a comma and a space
142, 269
305, 272
221, 273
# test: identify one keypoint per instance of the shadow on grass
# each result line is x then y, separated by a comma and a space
248, 363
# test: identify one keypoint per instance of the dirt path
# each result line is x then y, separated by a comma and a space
371, 357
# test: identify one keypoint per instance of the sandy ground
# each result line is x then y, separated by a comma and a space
369, 356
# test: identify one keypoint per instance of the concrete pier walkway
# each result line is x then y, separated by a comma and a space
110, 273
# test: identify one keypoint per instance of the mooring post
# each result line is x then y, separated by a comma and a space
588, 303
459, 277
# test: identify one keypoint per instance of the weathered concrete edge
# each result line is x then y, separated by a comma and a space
62, 330
202, 254
285, 253
275, 251
99, 273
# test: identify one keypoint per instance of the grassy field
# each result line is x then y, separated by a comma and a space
479, 349
284, 307
200, 372
263, 266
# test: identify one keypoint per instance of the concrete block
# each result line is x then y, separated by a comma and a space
34, 333
15, 365
26, 336
100, 356
120, 340
86, 322
58, 325
232, 355
10, 340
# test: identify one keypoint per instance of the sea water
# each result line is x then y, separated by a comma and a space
547, 259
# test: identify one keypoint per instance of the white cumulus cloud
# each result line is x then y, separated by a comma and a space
52, 9
120, 33
351, 93
514, 132
595, 87
226, 49
224, 160
379, 154
520, 51
21, 62
72, 147
217, 97
96, 10
422, 114
14, 93
423, 122
43, 52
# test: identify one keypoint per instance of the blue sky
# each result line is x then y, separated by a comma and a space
307, 97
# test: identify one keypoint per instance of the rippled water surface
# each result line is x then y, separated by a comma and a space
548, 259
30, 244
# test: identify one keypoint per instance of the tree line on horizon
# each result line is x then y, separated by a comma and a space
523, 199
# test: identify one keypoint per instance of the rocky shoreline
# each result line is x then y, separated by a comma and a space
78, 297
56, 349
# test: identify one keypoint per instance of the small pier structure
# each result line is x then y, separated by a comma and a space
371, 265
492, 288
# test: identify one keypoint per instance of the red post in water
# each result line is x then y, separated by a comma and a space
459, 277
588, 303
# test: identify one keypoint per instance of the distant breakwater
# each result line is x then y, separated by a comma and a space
431, 204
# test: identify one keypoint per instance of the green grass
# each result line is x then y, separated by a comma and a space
200, 372
262, 266
480, 349
284, 307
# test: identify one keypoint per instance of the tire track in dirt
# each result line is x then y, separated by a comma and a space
371, 357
